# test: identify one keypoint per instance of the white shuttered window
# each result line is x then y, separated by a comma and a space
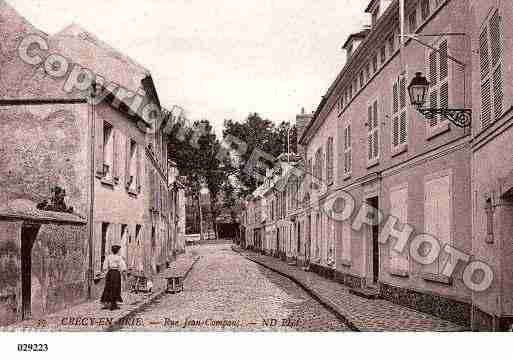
399, 114
399, 209
437, 215
372, 133
438, 70
490, 53
347, 149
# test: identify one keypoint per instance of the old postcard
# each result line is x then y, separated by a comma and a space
245, 166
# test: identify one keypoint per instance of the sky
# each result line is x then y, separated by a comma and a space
220, 59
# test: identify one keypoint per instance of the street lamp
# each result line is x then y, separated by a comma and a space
418, 90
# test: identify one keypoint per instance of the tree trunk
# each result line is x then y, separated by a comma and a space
214, 216
200, 218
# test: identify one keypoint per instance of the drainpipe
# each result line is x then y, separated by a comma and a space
91, 209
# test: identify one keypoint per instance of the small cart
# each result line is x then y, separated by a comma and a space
140, 283
174, 280
174, 283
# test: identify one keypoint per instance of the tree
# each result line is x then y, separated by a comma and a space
257, 133
195, 151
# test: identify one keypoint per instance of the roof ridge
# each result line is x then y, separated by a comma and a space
94, 39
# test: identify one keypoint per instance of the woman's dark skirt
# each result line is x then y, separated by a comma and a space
112, 290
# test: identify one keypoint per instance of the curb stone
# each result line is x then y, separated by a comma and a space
116, 323
312, 292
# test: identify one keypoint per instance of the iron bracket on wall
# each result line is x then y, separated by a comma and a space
459, 117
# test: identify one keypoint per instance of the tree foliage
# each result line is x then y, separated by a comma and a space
262, 134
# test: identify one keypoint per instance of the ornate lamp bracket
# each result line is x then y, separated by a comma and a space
461, 117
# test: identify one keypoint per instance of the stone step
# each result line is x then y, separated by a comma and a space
367, 293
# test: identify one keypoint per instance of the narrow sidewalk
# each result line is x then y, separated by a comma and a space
360, 314
90, 317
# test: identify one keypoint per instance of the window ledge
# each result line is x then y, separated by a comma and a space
107, 181
345, 262
399, 273
373, 163
437, 278
438, 130
400, 149
132, 192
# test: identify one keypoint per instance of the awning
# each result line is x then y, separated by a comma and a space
26, 211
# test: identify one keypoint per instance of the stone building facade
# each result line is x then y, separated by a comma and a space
367, 140
492, 137
111, 161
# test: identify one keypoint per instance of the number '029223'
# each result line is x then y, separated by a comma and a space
32, 347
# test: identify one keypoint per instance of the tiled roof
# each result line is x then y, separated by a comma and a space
84, 48
26, 210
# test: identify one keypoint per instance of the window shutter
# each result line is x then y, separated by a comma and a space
483, 53
495, 38
443, 212
399, 209
98, 162
433, 77
97, 247
395, 130
127, 161
375, 144
444, 96
444, 61
497, 92
152, 189
486, 114
328, 160
138, 177
437, 207
375, 130
433, 101
396, 98
402, 128
370, 136
161, 196
349, 160
375, 113
370, 140
402, 92
116, 153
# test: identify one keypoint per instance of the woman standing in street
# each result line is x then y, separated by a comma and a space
116, 267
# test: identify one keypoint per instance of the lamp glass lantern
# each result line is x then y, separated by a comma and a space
418, 90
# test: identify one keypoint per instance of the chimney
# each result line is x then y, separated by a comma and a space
302, 120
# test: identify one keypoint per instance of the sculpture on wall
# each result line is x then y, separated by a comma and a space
57, 203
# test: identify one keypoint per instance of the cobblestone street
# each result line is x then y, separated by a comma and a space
226, 292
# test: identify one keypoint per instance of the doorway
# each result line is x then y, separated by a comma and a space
298, 238
308, 242
374, 237
278, 249
28, 237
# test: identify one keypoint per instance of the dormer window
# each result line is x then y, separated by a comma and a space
376, 8
349, 50
375, 15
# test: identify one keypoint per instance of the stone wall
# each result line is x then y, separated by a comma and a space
10, 267
42, 146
